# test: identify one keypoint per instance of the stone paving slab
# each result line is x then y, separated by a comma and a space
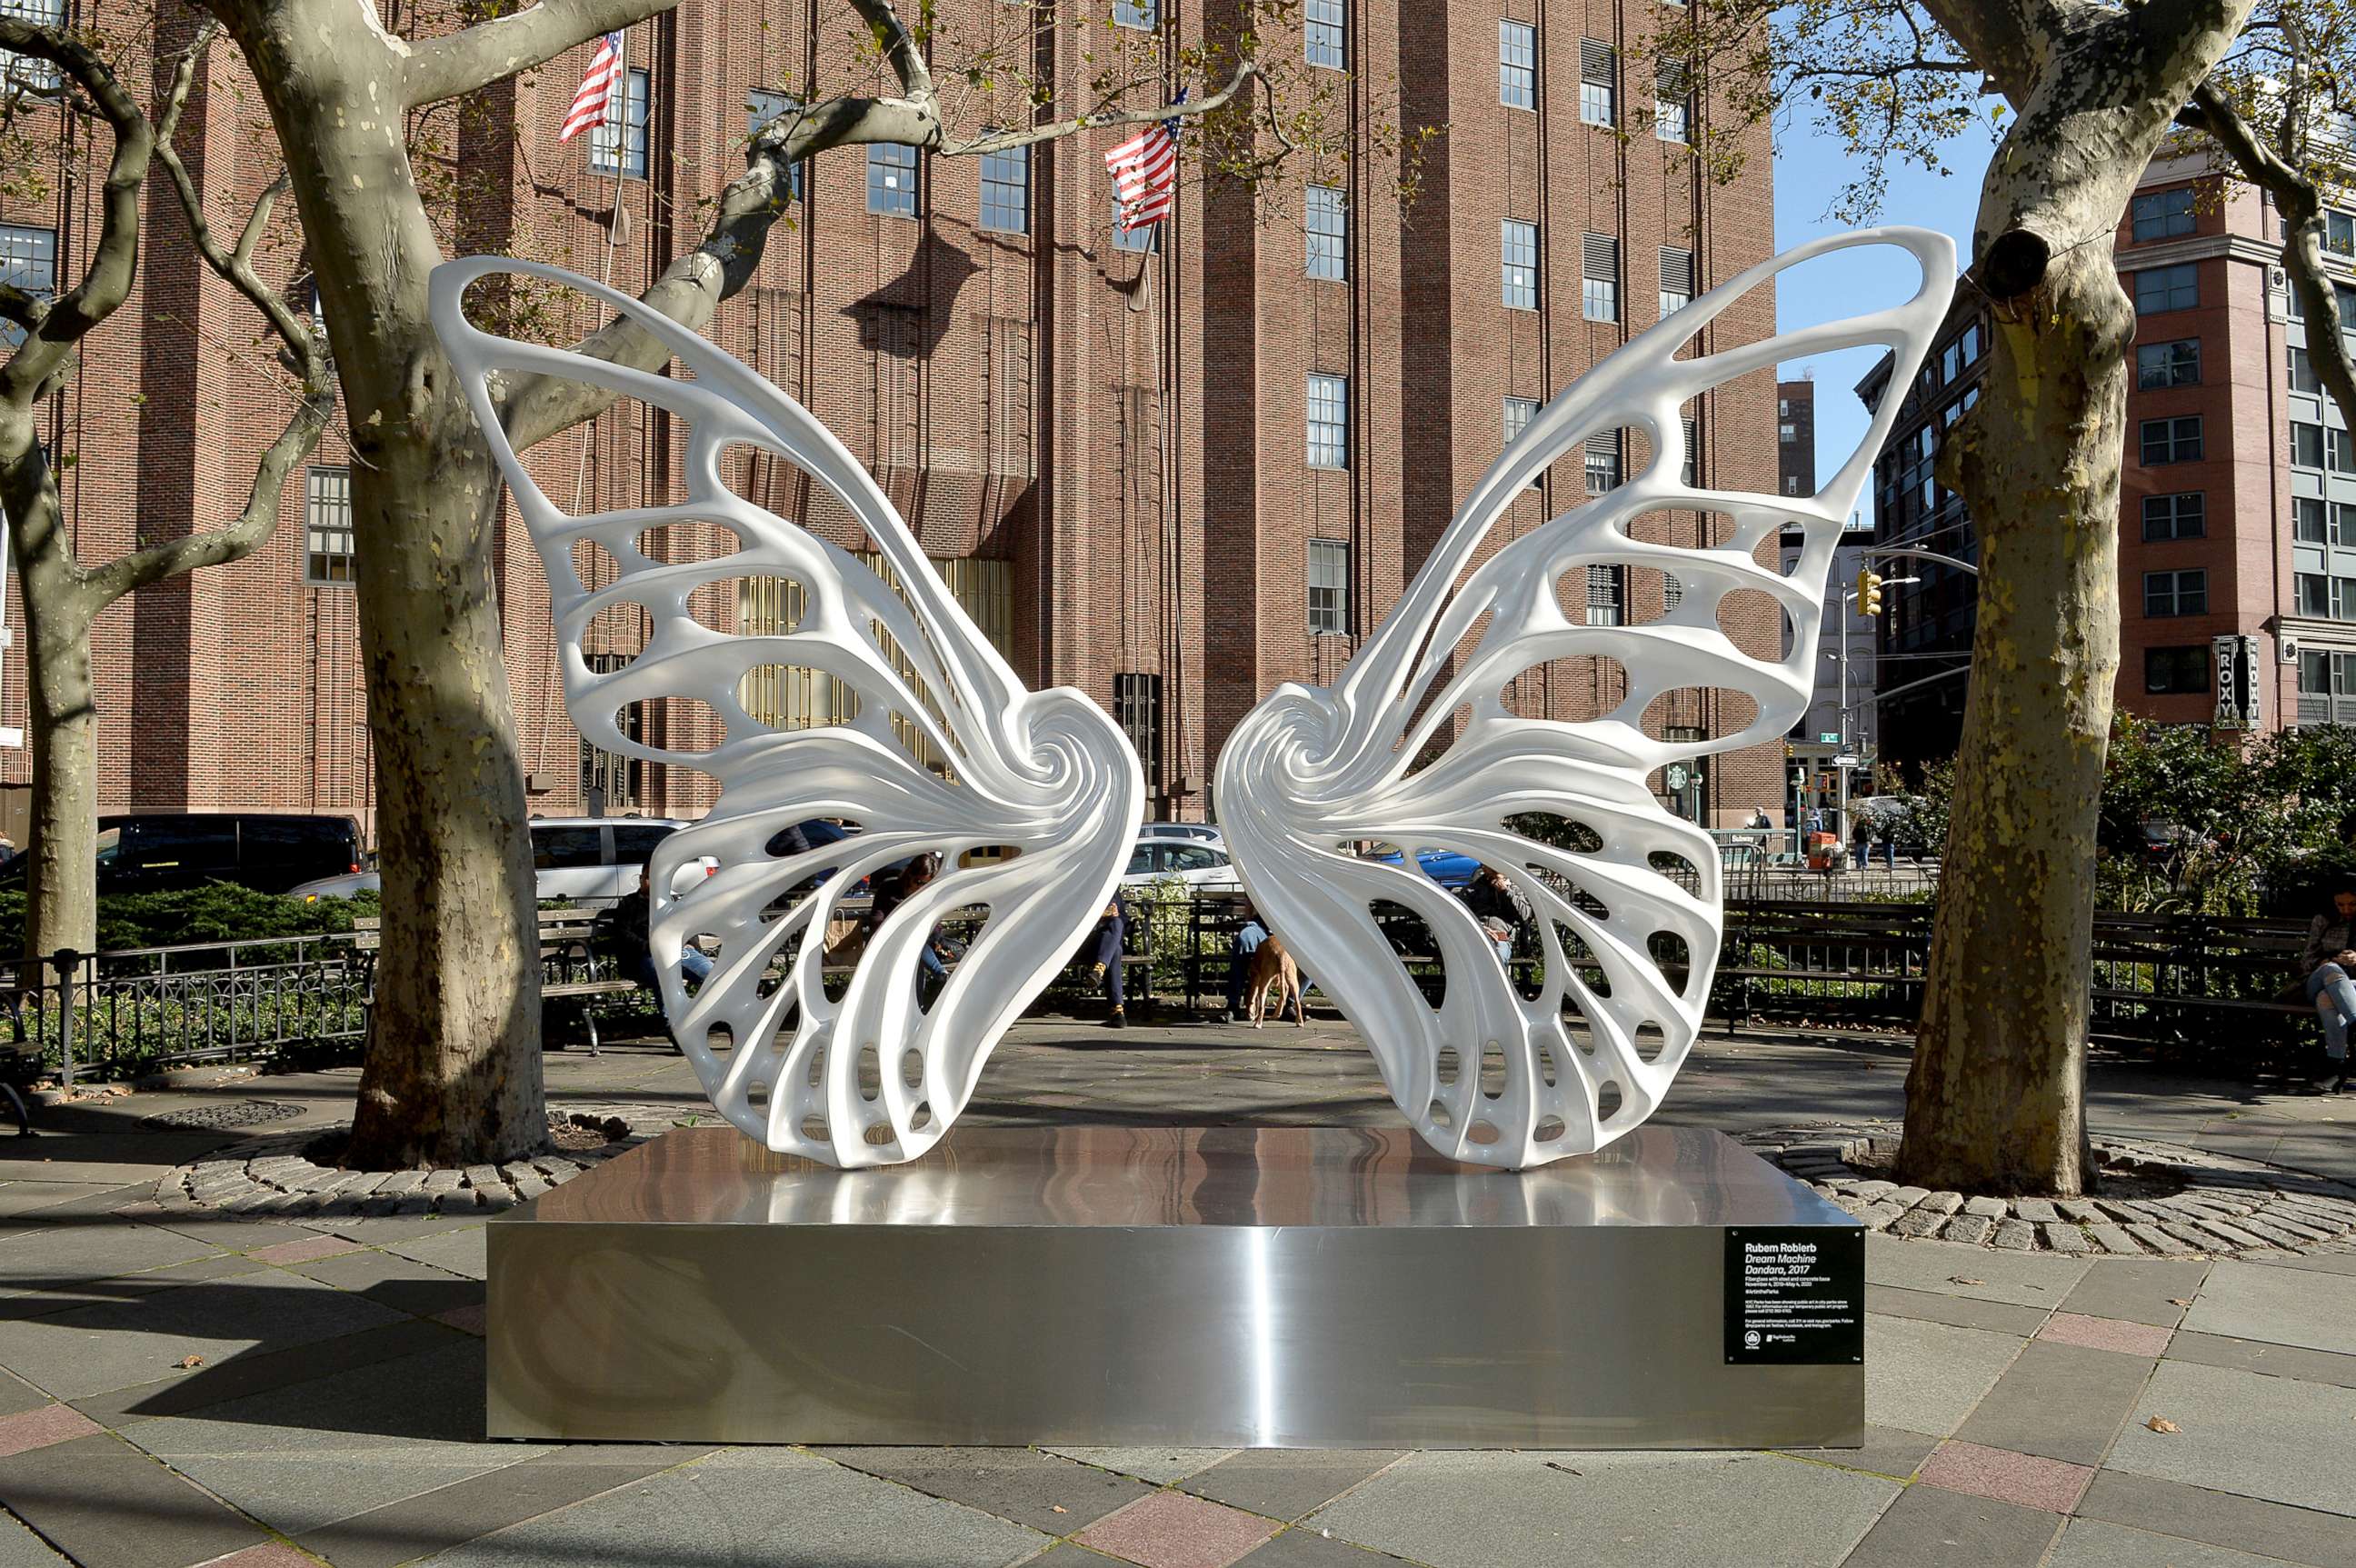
1933, 1528
777, 1508
1886, 1451
217, 1383
2062, 1402
1926, 1377
1302, 1547
1972, 1273
1286, 1484
23, 1204
1963, 1311
2271, 1438
114, 1346
2281, 1306
300, 1458
2316, 1262
459, 1252
2092, 1544
1611, 1510
1173, 1529
44, 1260
110, 1506
2137, 1290
2273, 1361
1045, 1491
1159, 1466
453, 1515
20, 1548
2221, 1518
392, 1280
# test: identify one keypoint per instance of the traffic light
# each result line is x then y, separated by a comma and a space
1869, 591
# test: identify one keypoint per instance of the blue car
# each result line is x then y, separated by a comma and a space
1444, 866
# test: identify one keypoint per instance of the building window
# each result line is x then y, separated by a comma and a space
1329, 585
1603, 462
2340, 231
1689, 473
1599, 289
2303, 377
1517, 65
2172, 440
2339, 449
2175, 671
2174, 517
2343, 523
1598, 83
2161, 214
1328, 222
1970, 344
2314, 594
1325, 36
2175, 593
892, 179
1607, 602
1137, 705
327, 526
1142, 239
621, 148
2306, 444
1006, 190
28, 261
1676, 280
1519, 412
30, 73
2343, 598
1146, 14
1329, 422
2176, 364
2167, 288
1518, 246
1672, 101
2306, 521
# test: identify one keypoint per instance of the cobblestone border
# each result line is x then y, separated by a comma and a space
2228, 1206
271, 1178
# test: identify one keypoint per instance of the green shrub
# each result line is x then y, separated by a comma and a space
220, 912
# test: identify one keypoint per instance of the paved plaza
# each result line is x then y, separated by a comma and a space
183, 1387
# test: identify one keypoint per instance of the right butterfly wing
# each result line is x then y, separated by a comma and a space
1488, 1074
866, 1076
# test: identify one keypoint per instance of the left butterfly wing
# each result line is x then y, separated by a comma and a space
864, 1074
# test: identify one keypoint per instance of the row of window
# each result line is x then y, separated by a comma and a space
1598, 286
1329, 590
2323, 596
1599, 83
2313, 447
2169, 214
1323, 23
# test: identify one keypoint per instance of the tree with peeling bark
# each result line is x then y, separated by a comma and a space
62, 596
452, 1072
2086, 94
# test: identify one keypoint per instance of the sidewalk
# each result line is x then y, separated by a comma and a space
332, 1409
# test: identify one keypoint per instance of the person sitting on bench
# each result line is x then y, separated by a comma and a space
1104, 947
2329, 965
622, 930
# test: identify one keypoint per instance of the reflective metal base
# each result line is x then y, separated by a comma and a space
1206, 1287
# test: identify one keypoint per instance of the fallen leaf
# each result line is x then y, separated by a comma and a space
1564, 1468
1059, 1508
2161, 1423
1960, 1279
190, 1361
2177, 1301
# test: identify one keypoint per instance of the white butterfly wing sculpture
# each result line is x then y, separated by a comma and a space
1488, 1074
868, 1077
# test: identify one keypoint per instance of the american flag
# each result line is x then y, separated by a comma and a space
596, 92
1145, 173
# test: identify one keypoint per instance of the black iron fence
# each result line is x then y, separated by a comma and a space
117, 1015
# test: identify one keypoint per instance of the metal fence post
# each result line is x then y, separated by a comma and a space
66, 961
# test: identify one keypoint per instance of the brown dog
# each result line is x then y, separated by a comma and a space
1271, 965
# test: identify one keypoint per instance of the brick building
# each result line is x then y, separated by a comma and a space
2237, 541
1172, 477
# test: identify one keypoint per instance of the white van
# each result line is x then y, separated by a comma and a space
585, 859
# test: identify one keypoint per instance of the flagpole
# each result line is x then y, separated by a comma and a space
613, 227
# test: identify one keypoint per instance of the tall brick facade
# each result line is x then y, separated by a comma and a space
1107, 448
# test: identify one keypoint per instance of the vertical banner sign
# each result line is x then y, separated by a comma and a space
1795, 1295
2238, 705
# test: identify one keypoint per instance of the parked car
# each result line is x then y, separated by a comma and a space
1444, 866
1200, 833
593, 858
161, 852
1202, 867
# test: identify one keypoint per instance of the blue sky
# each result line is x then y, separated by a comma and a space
1808, 167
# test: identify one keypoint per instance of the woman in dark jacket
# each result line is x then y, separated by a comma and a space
2329, 965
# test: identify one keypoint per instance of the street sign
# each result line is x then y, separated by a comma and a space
1828, 738
2237, 682
1844, 762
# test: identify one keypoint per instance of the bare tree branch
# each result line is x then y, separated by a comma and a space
2301, 204
491, 52
999, 141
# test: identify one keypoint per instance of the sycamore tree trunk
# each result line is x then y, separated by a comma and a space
451, 1074
1994, 1100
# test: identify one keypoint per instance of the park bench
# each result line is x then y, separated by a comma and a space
573, 973
1139, 934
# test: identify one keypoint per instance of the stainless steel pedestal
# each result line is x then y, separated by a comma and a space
1214, 1287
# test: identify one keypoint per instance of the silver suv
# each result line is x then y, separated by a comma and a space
593, 858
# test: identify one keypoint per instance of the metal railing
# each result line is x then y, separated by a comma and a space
115, 1014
